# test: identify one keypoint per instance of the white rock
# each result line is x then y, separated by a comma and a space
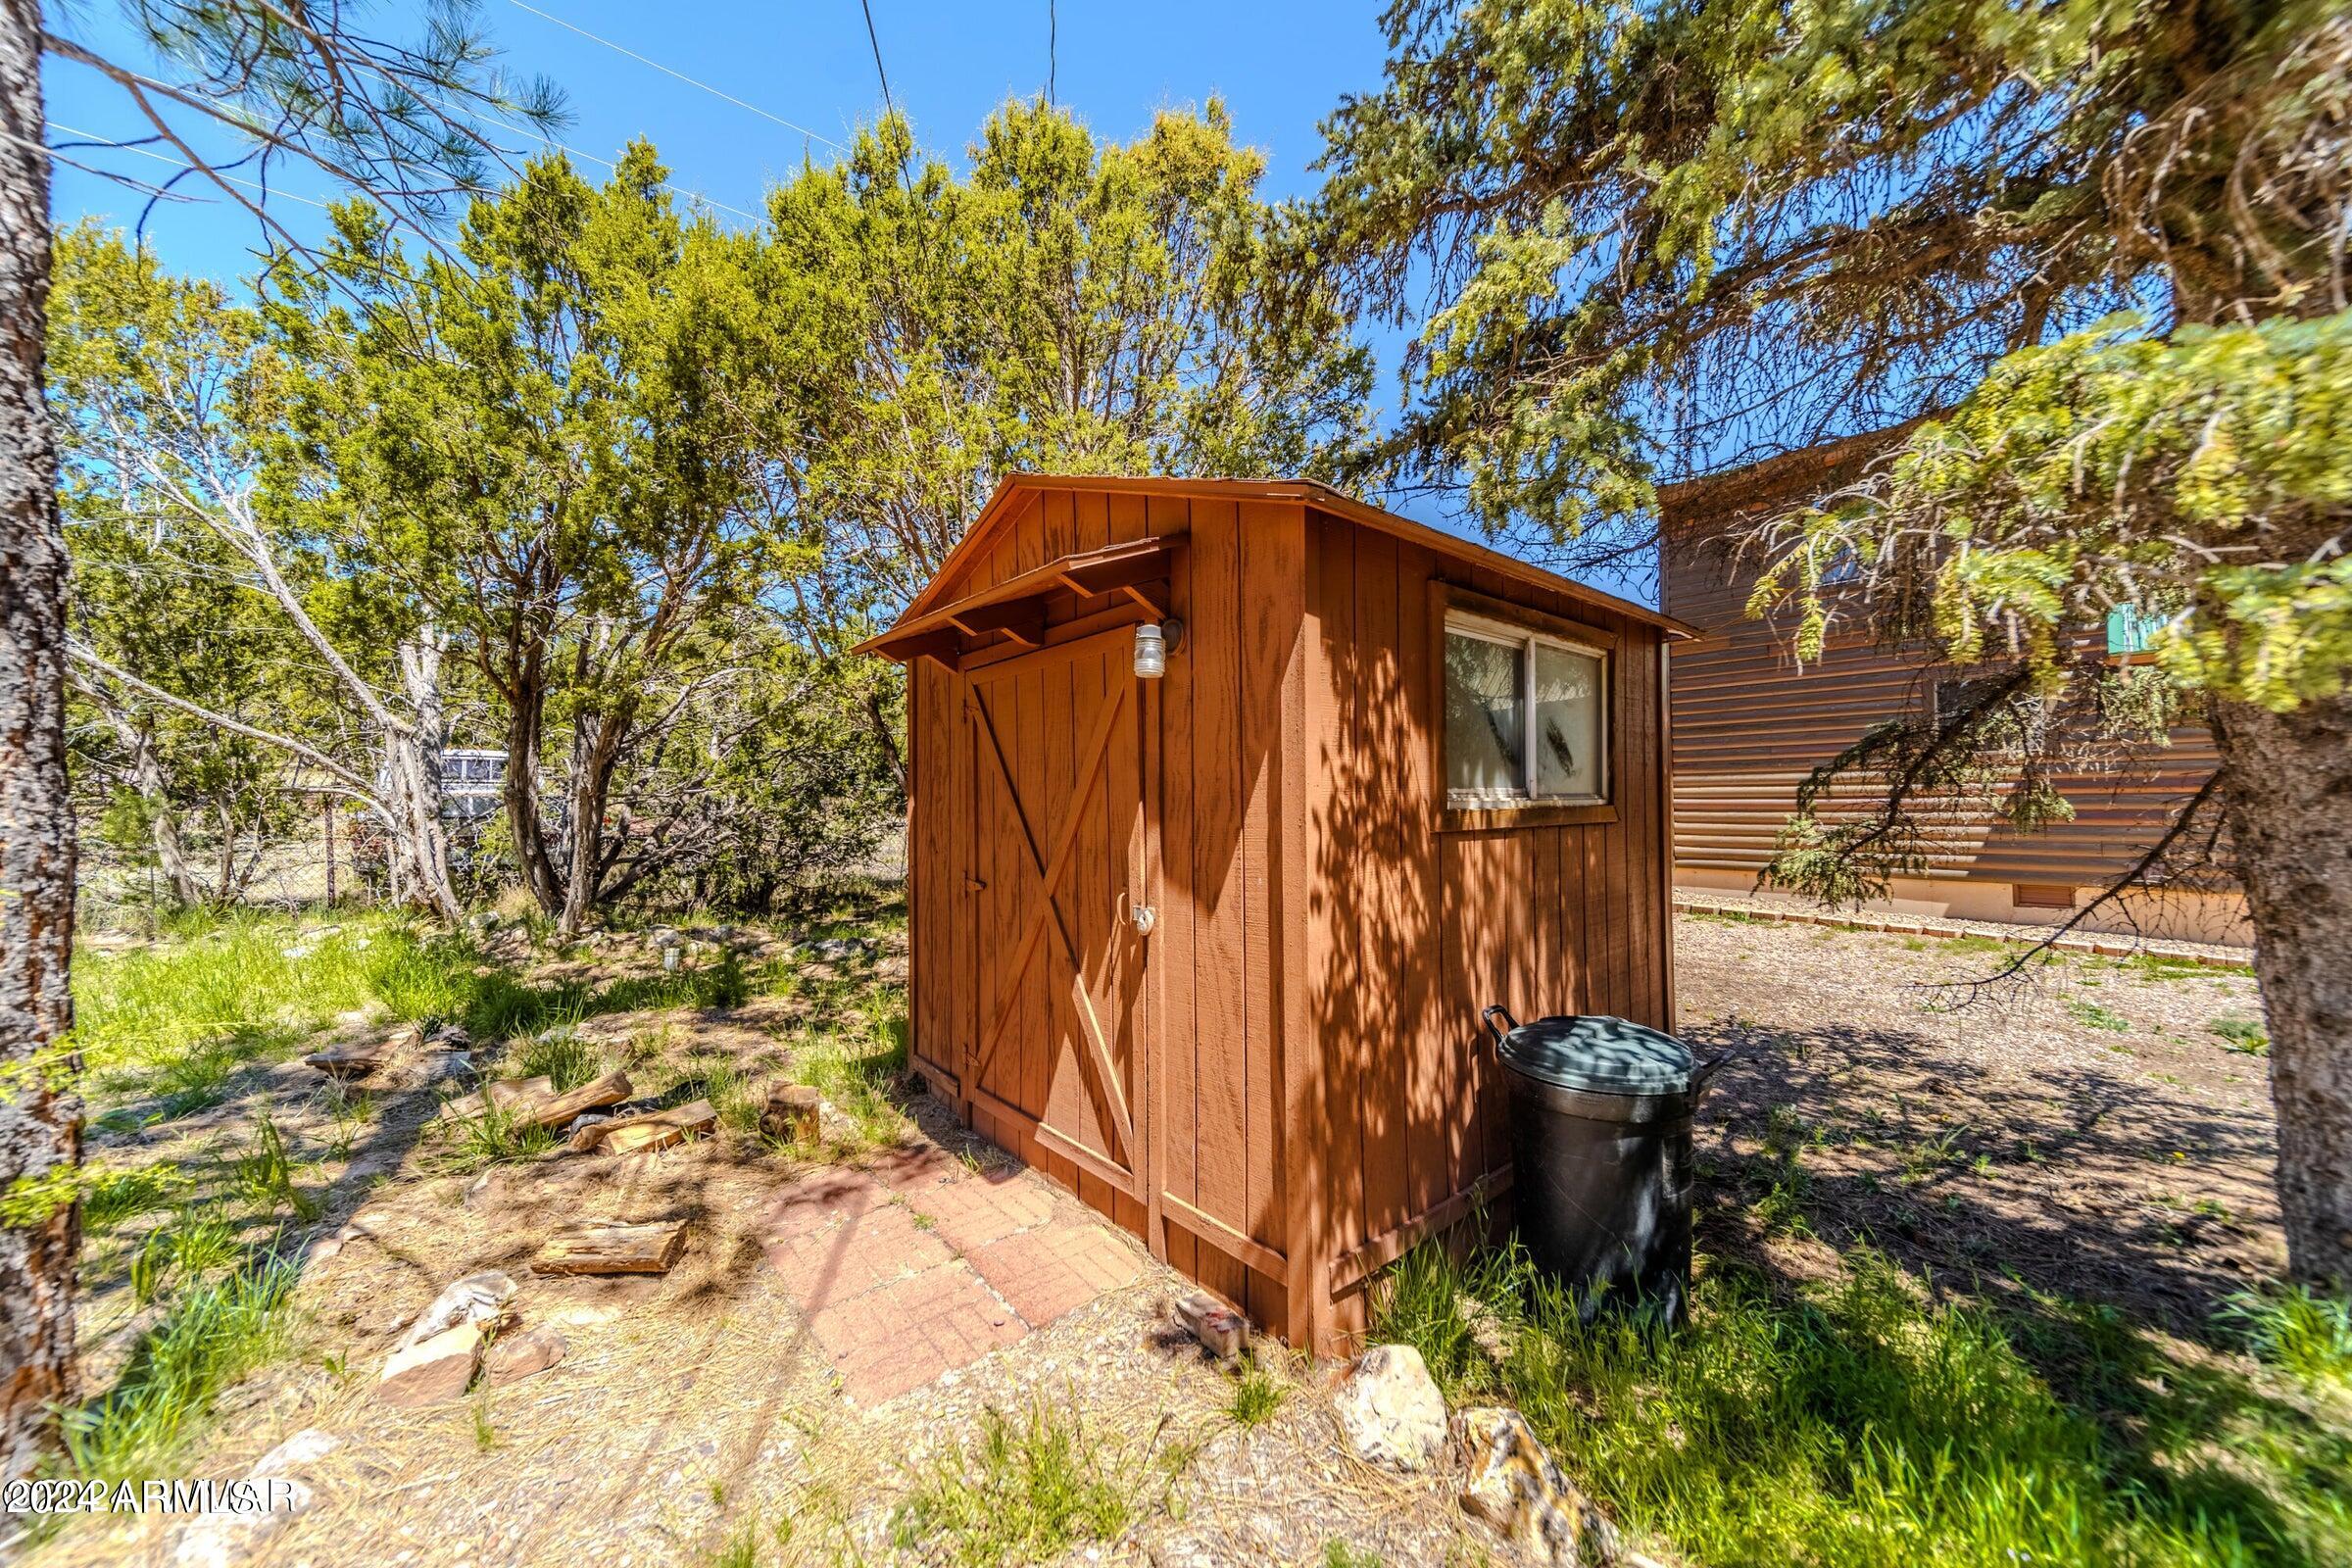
479, 1299
306, 1447
227, 1540
1390, 1409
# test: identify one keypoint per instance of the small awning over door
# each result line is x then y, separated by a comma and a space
1016, 606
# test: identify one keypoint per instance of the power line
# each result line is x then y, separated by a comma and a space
1052, 47
874, 38
179, 163
680, 75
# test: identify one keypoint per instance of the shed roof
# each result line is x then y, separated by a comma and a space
1004, 505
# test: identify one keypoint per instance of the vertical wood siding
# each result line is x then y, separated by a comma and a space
1413, 930
1301, 1049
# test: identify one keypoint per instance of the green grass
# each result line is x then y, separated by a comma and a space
264, 1174
474, 1143
1256, 1395
2297, 1329
174, 1020
2093, 1015
2244, 1036
213, 1334
1856, 1422
561, 1057
1339, 1554
1029, 1490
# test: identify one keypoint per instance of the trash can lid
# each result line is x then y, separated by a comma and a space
1600, 1055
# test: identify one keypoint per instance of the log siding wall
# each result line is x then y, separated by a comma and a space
1748, 726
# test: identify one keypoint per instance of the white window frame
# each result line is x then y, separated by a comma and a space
1486, 629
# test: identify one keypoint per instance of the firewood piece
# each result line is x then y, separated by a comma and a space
658, 1130
791, 1113
355, 1060
610, 1090
590, 1248
507, 1094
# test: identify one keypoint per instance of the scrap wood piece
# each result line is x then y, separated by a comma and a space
610, 1090
657, 1129
791, 1113
351, 1060
593, 1248
507, 1096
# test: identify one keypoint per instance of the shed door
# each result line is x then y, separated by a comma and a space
1059, 844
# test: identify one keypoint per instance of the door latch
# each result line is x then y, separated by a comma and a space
1145, 917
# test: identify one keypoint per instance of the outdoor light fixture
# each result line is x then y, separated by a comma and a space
1154, 644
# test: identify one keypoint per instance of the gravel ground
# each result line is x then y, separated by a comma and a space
2080, 1127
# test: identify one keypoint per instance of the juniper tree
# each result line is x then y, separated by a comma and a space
2079, 264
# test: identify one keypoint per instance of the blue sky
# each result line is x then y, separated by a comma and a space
1280, 67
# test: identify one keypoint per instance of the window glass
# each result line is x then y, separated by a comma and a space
1486, 716
1568, 739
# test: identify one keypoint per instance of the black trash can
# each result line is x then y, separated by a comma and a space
1600, 1132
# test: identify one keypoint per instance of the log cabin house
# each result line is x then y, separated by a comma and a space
1233, 803
1750, 724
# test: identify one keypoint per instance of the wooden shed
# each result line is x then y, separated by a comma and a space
1209, 946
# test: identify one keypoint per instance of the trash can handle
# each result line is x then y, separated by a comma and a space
1704, 1074
1487, 1018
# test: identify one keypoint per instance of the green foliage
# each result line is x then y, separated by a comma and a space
1856, 1423
1256, 1395
212, 1336
1031, 1488
266, 1173
177, 1018
2303, 1331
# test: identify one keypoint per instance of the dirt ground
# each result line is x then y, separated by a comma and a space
2083, 1131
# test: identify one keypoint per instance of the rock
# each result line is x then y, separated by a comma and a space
478, 1299
226, 1540
1222, 1331
514, 1357
1513, 1485
305, 1448
432, 1370
1390, 1410
586, 1118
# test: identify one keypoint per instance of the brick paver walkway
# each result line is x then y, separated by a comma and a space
922, 1264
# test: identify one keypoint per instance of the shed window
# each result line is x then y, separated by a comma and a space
1526, 717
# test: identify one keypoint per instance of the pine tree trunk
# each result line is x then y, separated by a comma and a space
2289, 805
40, 1116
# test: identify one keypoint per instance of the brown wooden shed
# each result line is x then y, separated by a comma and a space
1210, 948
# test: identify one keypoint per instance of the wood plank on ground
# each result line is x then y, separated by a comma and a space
596, 1247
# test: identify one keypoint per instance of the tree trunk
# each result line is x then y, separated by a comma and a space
525, 714
416, 758
2289, 808
163, 819
595, 749
40, 1114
